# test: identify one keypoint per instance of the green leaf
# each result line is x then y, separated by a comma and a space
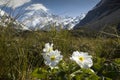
39, 73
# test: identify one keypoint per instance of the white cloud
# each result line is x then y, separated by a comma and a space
13, 3
37, 7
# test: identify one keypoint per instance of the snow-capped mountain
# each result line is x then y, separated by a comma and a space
40, 19
34, 15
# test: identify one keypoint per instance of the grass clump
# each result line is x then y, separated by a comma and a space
20, 52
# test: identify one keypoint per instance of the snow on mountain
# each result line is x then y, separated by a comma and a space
42, 20
5, 20
38, 17
2, 12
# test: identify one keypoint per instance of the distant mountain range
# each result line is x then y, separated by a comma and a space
37, 18
105, 13
40, 19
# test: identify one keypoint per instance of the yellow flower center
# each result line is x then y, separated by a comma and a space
52, 58
81, 59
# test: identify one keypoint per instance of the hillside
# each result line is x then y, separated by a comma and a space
105, 13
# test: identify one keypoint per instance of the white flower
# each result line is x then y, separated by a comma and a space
48, 48
82, 59
53, 58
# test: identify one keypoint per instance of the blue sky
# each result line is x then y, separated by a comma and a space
60, 7
68, 7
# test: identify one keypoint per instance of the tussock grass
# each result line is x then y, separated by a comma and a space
20, 51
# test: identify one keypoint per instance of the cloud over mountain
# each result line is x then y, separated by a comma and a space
13, 3
37, 7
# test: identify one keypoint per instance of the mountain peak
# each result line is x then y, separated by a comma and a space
38, 18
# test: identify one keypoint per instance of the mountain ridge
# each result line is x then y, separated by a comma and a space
40, 19
104, 9
37, 17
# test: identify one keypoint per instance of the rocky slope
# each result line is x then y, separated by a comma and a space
106, 12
